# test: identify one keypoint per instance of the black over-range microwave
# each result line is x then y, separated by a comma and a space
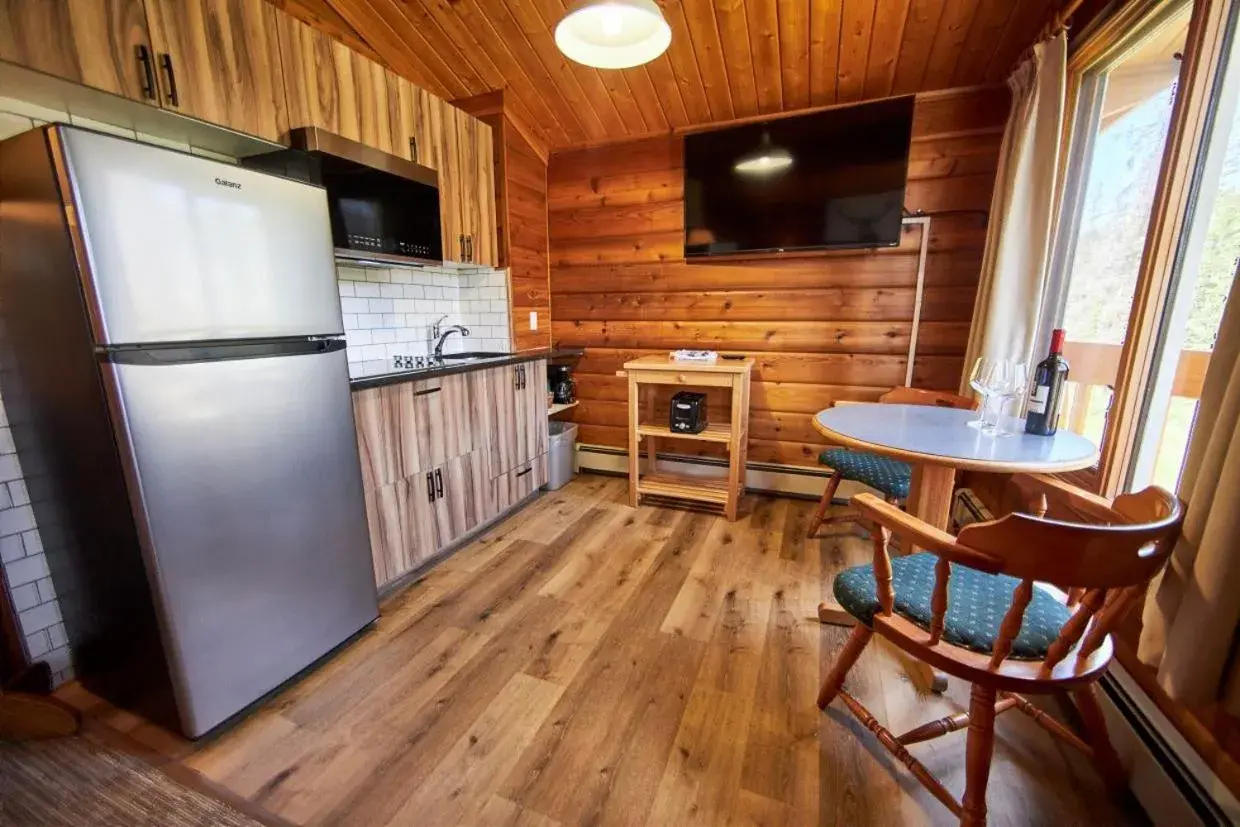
383, 208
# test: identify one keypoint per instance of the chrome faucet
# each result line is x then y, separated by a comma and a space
456, 328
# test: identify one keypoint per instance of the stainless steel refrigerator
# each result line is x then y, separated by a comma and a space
173, 365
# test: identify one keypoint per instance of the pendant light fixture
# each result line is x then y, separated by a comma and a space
765, 161
613, 34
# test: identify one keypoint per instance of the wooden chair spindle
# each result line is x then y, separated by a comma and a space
1073, 629
938, 600
1012, 620
882, 569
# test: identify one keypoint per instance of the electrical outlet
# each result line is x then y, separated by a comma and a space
533, 320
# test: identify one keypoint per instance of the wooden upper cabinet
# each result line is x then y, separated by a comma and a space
218, 60
92, 42
476, 183
332, 87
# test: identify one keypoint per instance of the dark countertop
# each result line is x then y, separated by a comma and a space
463, 366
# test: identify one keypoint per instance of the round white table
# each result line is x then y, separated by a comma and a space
937, 442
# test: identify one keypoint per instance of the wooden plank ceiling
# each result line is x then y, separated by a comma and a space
729, 59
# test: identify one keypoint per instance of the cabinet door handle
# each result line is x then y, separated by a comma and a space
520, 474
469, 248
165, 61
430, 487
516, 378
147, 78
461, 239
413, 149
438, 483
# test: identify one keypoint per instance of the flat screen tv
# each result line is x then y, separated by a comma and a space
831, 179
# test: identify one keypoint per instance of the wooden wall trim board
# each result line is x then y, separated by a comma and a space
821, 327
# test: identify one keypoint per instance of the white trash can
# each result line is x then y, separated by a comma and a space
560, 454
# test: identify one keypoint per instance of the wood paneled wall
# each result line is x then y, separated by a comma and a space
822, 328
521, 219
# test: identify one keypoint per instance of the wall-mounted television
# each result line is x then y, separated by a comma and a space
831, 179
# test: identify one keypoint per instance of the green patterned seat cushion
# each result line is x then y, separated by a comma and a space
976, 604
884, 474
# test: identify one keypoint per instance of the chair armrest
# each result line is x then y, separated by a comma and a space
932, 539
1084, 503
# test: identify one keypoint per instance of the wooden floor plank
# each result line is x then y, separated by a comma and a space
586, 663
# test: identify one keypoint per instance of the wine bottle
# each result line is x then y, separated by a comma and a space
1049, 377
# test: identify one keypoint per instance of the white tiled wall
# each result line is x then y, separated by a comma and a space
389, 312
21, 550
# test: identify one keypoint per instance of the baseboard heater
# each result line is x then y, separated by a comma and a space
1172, 783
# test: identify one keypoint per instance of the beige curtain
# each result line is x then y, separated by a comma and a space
1191, 615
1015, 266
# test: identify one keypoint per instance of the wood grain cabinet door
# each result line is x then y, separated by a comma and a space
485, 232
92, 42
463, 495
219, 60
473, 183
329, 85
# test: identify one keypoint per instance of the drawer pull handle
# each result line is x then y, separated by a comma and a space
438, 482
427, 391
523, 473
430, 487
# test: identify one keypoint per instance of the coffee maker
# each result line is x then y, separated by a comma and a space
560, 383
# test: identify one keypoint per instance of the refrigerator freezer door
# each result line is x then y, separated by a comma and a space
246, 487
182, 248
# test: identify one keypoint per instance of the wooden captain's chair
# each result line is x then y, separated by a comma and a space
977, 607
890, 477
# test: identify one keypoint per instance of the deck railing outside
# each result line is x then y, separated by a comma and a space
1094, 366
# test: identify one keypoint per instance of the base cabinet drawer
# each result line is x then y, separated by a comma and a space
520, 482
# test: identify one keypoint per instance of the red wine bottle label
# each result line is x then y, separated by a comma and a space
1037, 401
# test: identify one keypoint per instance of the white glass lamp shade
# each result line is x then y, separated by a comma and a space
613, 34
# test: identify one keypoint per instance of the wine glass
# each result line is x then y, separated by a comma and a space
1010, 381
982, 379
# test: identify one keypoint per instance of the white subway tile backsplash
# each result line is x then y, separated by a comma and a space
28, 569
16, 520
33, 542
57, 636
11, 548
25, 596
38, 645
47, 591
390, 313
39, 617
9, 469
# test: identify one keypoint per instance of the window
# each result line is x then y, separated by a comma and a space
1125, 99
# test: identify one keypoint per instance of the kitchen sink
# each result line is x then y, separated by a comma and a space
474, 354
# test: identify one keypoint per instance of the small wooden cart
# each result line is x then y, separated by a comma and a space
645, 423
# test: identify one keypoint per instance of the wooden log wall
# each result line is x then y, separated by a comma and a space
525, 229
822, 328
